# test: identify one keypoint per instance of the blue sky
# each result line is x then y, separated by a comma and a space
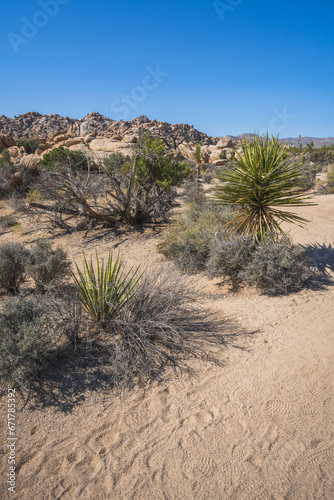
226, 67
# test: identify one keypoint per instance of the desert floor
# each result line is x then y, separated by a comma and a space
258, 427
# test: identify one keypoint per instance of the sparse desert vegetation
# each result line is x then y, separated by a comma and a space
134, 274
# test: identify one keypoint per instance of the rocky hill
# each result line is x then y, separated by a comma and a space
45, 127
98, 136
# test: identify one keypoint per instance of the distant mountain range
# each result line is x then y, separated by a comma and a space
318, 141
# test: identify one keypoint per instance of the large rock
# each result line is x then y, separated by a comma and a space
187, 152
215, 155
227, 153
73, 141
89, 137
16, 151
61, 138
130, 138
225, 142
80, 147
219, 162
110, 146
6, 141
30, 160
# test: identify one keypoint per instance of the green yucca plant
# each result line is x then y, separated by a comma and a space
103, 289
260, 179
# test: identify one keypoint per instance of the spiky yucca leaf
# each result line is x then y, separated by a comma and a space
258, 180
103, 289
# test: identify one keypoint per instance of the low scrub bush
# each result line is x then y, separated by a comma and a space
330, 180
309, 174
188, 240
27, 333
46, 266
7, 222
6, 162
199, 241
59, 157
278, 267
194, 193
229, 255
207, 178
104, 289
13, 261
30, 144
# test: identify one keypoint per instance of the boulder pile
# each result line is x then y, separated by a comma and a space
99, 135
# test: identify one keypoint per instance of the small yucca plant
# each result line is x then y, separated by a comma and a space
259, 180
103, 289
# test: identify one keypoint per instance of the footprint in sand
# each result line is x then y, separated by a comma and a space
280, 407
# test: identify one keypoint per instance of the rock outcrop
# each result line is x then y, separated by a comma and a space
100, 135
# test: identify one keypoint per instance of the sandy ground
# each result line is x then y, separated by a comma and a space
258, 427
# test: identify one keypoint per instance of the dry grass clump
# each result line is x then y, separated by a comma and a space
151, 324
161, 326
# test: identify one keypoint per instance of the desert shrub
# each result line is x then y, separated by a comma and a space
119, 192
58, 157
7, 222
6, 162
33, 196
278, 267
188, 240
322, 155
6, 173
159, 327
330, 180
155, 168
104, 289
309, 174
229, 254
207, 178
27, 332
47, 266
13, 262
194, 193
30, 144
116, 162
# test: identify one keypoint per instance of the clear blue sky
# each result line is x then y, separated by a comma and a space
234, 67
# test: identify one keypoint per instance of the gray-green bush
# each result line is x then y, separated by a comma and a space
188, 240
278, 267
229, 254
27, 333
46, 266
13, 261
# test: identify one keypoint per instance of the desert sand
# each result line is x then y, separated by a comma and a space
258, 427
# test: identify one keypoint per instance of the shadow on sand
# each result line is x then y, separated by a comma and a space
322, 264
73, 378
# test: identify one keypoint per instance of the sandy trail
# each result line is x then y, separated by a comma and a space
260, 427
